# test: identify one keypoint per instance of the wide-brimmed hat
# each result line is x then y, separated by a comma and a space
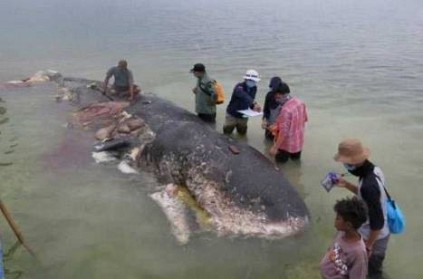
252, 75
351, 151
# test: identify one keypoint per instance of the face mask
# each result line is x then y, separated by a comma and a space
250, 83
349, 167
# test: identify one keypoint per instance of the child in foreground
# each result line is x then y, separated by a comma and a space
347, 256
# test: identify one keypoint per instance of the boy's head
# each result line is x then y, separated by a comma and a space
351, 213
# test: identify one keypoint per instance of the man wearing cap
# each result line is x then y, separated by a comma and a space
370, 189
289, 128
124, 80
243, 97
205, 96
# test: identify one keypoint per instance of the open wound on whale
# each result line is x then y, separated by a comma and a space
100, 114
182, 211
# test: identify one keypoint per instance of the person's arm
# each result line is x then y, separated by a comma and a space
239, 93
347, 185
358, 269
374, 234
284, 123
371, 195
266, 111
254, 106
197, 87
278, 142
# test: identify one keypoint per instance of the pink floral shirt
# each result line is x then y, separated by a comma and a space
291, 125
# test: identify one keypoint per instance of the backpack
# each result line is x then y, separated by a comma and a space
219, 90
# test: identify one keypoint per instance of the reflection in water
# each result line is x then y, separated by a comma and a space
7, 150
293, 173
4, 120
3, 111
9, 256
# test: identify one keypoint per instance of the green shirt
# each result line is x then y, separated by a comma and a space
205, 96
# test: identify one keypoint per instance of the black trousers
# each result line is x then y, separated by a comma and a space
283, 156
377, 257
211, 118
268, 135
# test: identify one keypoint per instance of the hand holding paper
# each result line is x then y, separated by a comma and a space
250, 113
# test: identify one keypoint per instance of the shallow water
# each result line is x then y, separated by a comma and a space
356, 64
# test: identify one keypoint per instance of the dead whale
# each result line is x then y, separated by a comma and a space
207, 186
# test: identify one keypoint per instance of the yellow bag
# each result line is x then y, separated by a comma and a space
220, 92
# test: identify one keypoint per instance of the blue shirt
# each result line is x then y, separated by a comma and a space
242, 98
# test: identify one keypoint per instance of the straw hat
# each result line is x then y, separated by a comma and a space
351, 151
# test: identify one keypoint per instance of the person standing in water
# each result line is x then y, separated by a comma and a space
124, 80
370, 188
243, 97
205, 95
347, 257
289, 128
271, 108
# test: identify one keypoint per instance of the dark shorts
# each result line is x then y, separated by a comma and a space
121, 89
211, 118
283, 156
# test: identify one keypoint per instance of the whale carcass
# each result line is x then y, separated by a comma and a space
232, 193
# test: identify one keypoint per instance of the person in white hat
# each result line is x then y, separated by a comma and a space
354, 156
243, 97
